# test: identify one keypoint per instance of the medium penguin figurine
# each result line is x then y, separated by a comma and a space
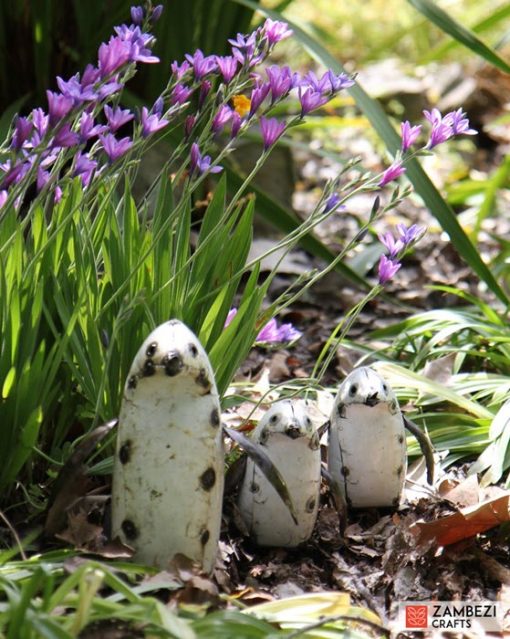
292, 443
168, 471
367, 455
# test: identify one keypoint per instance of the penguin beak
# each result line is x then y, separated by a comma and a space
293, 431
372, 400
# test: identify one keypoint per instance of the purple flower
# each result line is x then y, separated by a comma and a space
65, 137
113, 55
287, 333
231, 314
22, 129
116, 117
41, 121
58, 106
459, 123
275, 31
205, 87
156, 13
180, 94
189, 123
269, 332
338, 82
114, 148
332, 203
137, 15
408, 235
3, 197
201, 164
42, 178
258, 95
236, 124
221, 118
227, 66
202, 65
387, 269
13, 174
151, 123
311, 100
108, 88
244, 50
392, 173
392, 246
281, 81
311, 81
272, 333
271, 130
75, 90
88, 129
443, 128
158, 106
180, 69
84, 167
409, 134
57, 194
90, 75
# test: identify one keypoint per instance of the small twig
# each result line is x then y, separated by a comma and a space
317, 624
14, 534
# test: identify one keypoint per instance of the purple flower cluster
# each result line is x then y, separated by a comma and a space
442, 128
406, 236
70, 123
270, 333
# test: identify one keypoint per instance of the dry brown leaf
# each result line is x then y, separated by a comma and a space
464, 524
465, 493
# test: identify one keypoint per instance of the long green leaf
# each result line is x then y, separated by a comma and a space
460, 33
420, 180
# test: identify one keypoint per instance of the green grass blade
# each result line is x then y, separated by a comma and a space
460, 33
420, 180
486, 24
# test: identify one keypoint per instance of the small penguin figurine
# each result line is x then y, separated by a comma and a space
367, 455
292, 443
168, 471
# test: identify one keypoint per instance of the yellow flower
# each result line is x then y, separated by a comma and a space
241, 105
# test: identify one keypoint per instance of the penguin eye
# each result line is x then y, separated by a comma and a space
353, 390
308, 421
274, 419
385, 388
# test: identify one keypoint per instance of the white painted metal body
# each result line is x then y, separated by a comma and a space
168, 473
367, 455
291, 441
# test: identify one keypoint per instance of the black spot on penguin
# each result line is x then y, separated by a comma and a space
393, 407
173, 363
148, 368
310, 505
173, 322
254, 488
202, 380
129, 529
396, 502
204, 537
151, 349
125, 452
208, 479
400, 470
215, 418
345, 471
263, 436
132, 382
340, 409
401, 439
193, 350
